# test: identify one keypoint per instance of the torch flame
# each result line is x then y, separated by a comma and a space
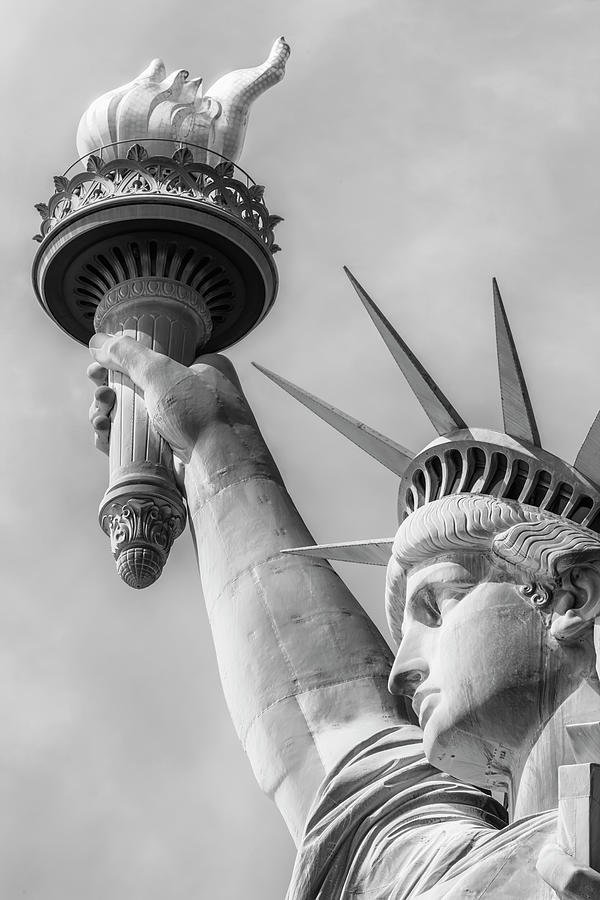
156, 106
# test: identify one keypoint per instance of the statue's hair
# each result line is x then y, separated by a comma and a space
519, 538
545, 549
456, 522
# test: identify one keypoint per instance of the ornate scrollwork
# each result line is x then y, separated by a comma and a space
141, 534
178, 175
539, 595
154, 287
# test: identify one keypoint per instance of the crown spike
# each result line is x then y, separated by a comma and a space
375, 552
438, 408
588, 458
390, 454
517, 411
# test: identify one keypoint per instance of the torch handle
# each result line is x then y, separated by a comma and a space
135, 445
142, 510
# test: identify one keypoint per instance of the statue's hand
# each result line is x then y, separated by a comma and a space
179, 399
569, 879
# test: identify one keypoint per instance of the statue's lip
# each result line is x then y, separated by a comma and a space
419, 700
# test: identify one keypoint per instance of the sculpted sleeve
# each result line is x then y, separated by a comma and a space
303, 668
388, 826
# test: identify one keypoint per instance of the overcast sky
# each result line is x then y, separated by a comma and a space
429, 145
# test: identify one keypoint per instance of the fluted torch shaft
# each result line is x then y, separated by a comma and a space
142, 510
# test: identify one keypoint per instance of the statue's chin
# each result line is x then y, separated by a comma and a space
466, 756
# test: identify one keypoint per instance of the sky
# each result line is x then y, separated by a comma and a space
428, 145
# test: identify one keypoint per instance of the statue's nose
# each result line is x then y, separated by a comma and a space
405, 679
410, 667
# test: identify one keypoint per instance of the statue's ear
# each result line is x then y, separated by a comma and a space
577, 601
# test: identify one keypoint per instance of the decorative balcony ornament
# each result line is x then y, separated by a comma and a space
136, 173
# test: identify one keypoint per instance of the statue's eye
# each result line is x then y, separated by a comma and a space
449, 595
424, 606
433, 602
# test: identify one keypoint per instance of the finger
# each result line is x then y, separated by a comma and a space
97, 373
104, 398
101, 425
102, 404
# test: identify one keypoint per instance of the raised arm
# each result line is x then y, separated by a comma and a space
303, 668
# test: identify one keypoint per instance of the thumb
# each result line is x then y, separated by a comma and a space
120, 353
146, 368
570, 880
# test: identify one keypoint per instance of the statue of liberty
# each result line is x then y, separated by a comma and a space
493, 586
418, 775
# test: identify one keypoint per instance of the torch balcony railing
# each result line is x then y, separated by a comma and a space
192, 173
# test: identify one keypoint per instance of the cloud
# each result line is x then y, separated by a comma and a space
427, 145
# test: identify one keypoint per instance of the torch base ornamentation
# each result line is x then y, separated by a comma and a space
141, 531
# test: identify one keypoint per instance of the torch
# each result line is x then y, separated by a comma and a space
164, 239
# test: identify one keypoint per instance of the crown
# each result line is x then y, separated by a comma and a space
509, 465
478, 461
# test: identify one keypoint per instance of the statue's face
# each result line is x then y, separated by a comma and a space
476, 660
